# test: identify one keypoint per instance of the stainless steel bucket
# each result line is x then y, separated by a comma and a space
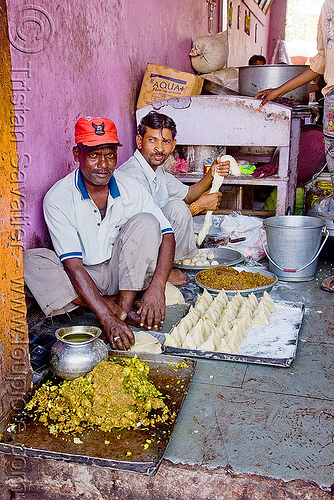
294, 244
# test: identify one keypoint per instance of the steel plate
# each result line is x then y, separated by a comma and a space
257, 291
106, 449
224, 257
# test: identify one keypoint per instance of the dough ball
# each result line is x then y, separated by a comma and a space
187, 262
198, 263
214, 263
210, 255
206, 263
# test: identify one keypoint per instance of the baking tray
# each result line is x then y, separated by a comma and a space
224, 257
32, 439
275, 345
257, 291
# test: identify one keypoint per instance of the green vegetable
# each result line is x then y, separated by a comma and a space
113, 395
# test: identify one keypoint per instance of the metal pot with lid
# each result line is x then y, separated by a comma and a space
252, 79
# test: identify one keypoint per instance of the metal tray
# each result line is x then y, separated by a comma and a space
257, 291
224, 257
272, 348
106, 449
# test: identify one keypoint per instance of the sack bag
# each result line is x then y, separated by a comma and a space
235, 226
209, 53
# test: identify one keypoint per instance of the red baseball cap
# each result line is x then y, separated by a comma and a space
95, 131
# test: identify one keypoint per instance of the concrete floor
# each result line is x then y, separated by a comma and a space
250, 431
268, 420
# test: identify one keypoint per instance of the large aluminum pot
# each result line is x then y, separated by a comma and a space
252, 79
77, 351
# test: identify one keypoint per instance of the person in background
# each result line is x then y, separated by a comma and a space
322, 64
110, 241
257, 60
316, 87
155, 142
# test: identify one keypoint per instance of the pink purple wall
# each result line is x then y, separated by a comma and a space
264, 31
277, 25
241, 44
72, 58
85, 58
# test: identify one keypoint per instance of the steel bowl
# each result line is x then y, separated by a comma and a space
257, 291
224, 257
252, 79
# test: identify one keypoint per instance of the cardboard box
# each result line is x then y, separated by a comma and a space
160, 83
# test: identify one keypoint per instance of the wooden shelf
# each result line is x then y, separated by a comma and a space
253, 158
248, 180
232, 122
257, 213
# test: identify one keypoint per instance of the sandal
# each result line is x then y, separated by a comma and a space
328, 284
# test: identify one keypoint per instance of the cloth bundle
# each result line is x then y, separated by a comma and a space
265, 170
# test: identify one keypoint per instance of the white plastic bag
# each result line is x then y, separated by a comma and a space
209, 52
235, 226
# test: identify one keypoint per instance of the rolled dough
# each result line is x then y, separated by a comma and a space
216, 183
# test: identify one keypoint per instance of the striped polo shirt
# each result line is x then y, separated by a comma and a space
323, 62
74, 221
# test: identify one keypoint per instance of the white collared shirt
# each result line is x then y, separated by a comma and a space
323, 62
74, 221
162, 185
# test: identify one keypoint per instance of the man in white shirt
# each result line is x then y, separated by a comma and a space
155, 142
110, 241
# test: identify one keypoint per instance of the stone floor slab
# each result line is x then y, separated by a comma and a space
310, 375
275, 435
220, 372
318, 324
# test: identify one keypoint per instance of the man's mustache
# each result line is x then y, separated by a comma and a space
105, 171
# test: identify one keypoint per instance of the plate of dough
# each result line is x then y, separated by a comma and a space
211, 257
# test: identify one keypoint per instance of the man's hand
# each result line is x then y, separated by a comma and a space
209, 201
117, 333
221, 167
152, 307
198, 192
267, 95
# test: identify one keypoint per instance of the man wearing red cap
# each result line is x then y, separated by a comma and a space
110, 241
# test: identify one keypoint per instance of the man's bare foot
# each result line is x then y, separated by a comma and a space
115, 308
110, 301
134, 319
177, 277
